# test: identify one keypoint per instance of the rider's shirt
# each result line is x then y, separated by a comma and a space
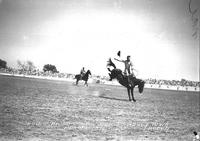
128, 67
82, 72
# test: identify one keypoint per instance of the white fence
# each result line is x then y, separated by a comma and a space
168, 87
114, 82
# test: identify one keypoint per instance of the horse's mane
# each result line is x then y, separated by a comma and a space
110, 63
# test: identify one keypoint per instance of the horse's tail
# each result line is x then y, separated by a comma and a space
110, 63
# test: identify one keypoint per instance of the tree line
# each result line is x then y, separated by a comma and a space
29, 66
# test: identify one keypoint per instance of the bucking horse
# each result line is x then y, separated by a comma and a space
85, 77
123, 80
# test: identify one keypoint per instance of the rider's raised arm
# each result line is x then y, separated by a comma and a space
119, 60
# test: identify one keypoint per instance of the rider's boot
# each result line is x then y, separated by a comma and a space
129, 81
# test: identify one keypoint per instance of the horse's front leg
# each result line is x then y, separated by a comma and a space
128, 89
77, 81
86, 84
132, 93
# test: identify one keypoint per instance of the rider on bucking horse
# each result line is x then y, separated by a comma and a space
128, 71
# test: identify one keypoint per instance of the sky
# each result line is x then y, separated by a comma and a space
72, 34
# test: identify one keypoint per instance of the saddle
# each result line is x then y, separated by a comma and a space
130, 79
82, 75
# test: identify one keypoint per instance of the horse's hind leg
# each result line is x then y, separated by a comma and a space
132, 93
141, 86
77, 82
129, 94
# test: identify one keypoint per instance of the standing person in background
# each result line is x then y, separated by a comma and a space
196, 136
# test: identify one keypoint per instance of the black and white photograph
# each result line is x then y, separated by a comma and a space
99, 70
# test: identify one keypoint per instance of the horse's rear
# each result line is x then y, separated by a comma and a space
78, 76
140, 84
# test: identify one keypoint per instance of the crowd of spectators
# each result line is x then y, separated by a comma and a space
36, 72
98, 79
182, 82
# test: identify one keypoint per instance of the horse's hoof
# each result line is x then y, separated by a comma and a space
134, 100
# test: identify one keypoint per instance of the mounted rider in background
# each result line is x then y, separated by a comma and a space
82, 73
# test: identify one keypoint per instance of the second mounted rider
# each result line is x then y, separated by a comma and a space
82, 73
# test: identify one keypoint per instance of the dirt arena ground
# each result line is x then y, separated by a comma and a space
48, 110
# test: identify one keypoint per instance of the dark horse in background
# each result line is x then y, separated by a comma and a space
123, 80
84, 78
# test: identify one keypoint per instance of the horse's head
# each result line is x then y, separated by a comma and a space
115, 73
88, 72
